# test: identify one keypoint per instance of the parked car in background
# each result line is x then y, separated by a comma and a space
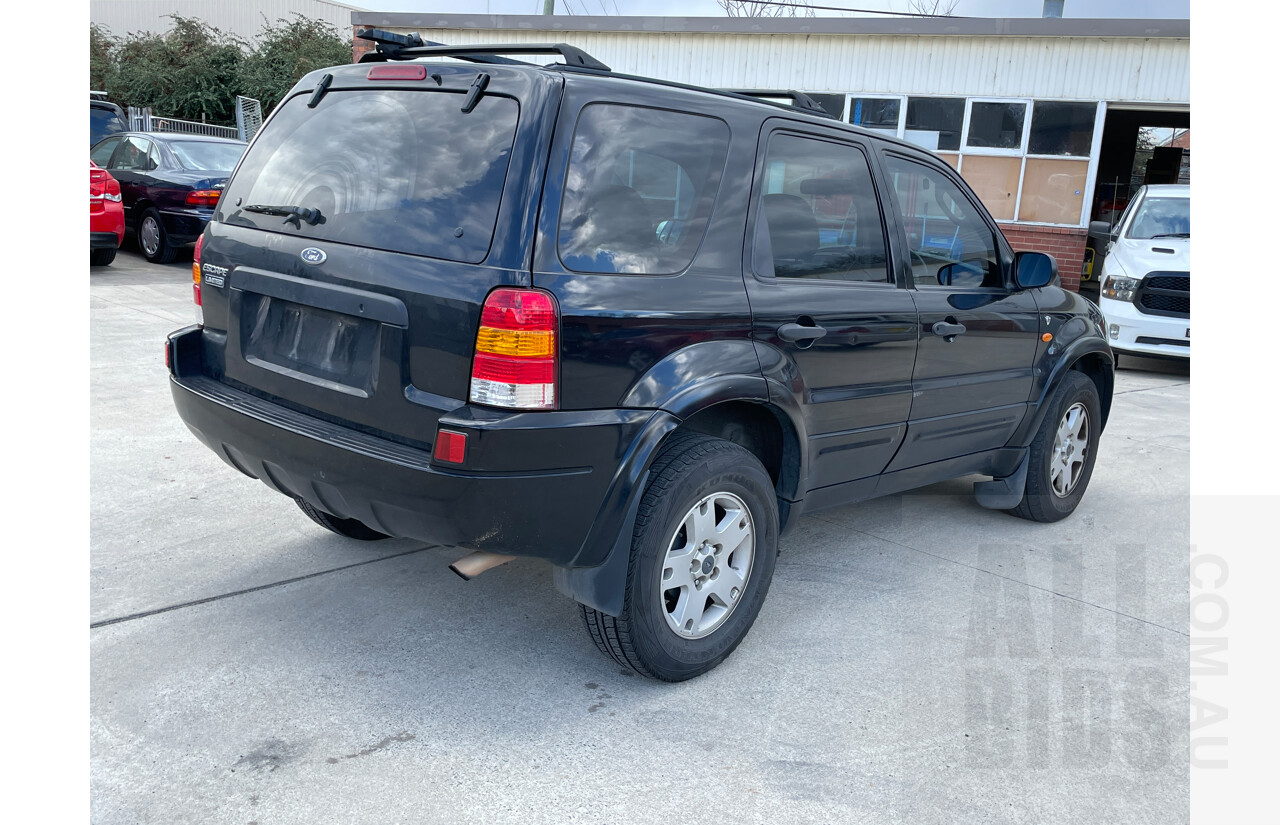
170, 183
1145, 290
106, 216
105, 119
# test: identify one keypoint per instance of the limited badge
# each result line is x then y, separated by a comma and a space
312, 255
213, 275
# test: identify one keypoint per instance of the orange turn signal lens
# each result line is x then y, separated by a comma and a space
1047, 337
521, 343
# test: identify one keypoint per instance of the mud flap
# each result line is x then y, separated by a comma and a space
604, 586
1003, 493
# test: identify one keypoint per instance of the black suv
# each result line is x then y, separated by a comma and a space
631, 327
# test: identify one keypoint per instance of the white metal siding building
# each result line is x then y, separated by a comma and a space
244, 18
1033, 112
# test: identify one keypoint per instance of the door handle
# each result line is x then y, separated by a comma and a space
948, 331
796, 332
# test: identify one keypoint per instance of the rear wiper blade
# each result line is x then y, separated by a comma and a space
292, 214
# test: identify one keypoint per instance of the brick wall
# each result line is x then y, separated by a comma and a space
359, 46
1066, 244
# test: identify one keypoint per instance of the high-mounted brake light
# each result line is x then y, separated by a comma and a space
418, 72
195, 279
516, 351
204, 197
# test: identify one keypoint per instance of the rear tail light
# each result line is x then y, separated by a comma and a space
204, 197
516, 351
195, 279
103, 187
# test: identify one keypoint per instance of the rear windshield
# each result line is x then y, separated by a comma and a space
399, 170
104, 122
207, 156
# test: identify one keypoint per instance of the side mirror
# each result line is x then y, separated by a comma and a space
1101, 231
1034, 269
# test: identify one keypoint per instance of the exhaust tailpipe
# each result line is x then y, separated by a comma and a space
472, 565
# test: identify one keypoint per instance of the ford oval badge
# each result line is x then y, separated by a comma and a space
312, 255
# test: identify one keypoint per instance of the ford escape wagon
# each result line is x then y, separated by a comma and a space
630, 327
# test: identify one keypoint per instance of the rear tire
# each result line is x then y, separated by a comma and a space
1063, 452
348, 527
153, 241
702, 557
101, 257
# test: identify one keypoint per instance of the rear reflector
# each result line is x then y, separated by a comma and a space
516, 353
204, 197
398, 73
451, 447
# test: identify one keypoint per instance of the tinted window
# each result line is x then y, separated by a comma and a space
879, 113
950, 243
400, 170
997, 125
1061, 128
207, 156
639, 189
104, 122
819, 217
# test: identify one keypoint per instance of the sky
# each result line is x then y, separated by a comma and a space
1152, 9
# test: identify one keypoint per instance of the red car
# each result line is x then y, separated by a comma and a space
106, 216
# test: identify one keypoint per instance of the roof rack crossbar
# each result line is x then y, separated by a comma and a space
391, 46
799, 100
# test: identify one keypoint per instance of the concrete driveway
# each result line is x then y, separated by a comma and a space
918, 660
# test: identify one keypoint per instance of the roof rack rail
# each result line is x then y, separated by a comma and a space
799, 100
392, 46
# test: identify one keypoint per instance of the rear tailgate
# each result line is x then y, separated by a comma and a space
366, 314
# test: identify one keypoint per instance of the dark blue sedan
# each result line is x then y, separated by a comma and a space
170, 184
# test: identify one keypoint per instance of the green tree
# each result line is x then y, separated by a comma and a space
102, 59
191, 72
286, 51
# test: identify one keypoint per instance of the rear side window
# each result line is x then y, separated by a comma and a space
399, 170
819, 217
639, 190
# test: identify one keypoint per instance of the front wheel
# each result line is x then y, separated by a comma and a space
702, 556
1063, 452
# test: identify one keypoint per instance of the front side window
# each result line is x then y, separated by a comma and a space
818, 214
639, 189
1159, 217
405, 171
951, 245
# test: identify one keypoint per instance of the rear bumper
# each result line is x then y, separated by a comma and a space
185, 225
568, 512
103, 240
